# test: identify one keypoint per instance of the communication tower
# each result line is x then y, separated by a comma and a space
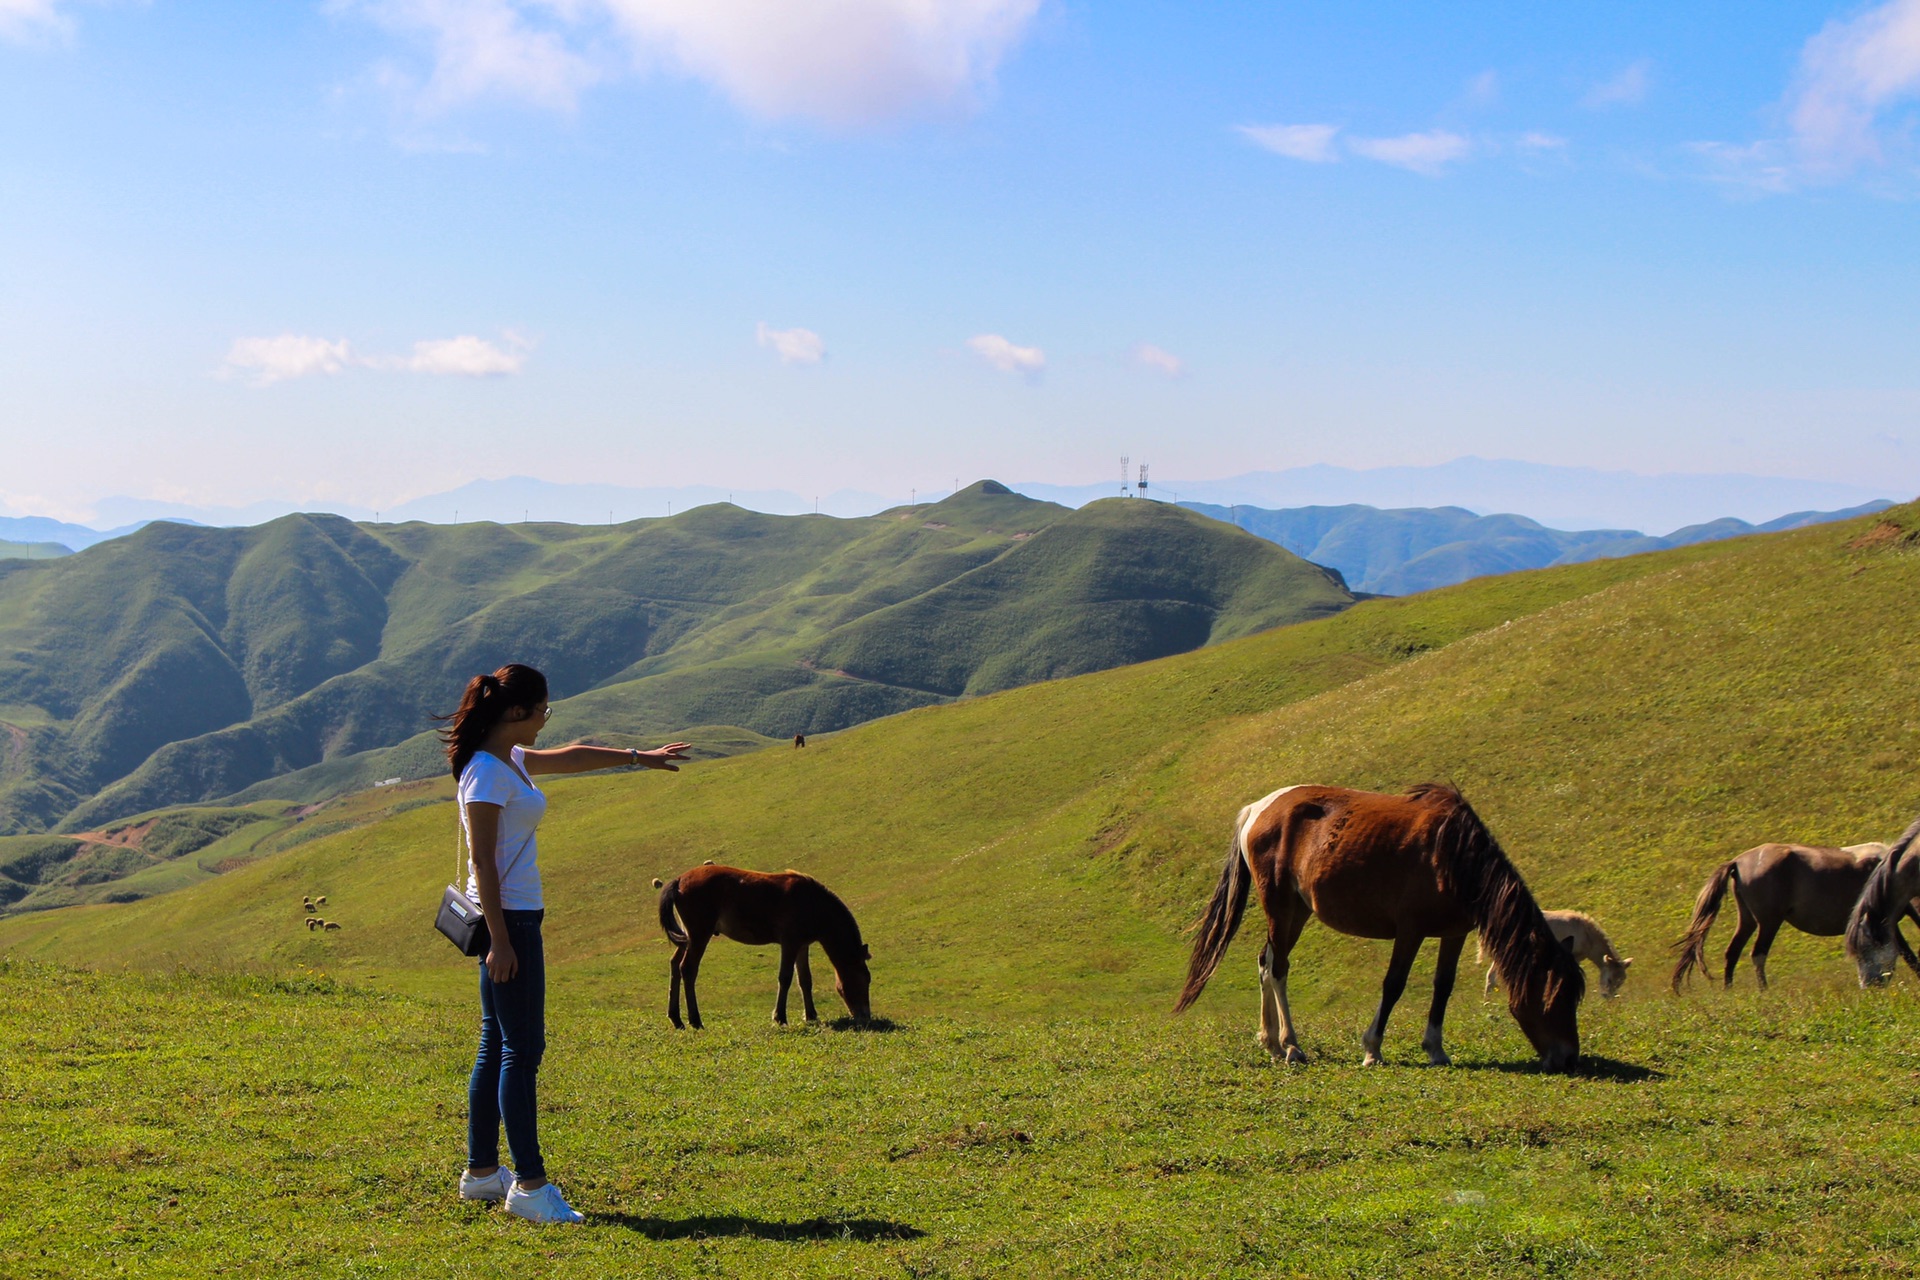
1123, 475
1143, 480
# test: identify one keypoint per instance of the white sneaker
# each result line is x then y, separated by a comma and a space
544, 1205
492, 1188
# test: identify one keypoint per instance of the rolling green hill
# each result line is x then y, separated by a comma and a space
1622, 724
32, 550
292, 660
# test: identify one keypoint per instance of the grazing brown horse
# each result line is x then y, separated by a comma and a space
1811, 887
1873, 929
1408, 868
761, 909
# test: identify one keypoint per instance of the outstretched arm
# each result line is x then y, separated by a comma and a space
581, 758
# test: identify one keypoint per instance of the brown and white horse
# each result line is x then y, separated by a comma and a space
1891, 892
1407, 868
1811, 887
762, 909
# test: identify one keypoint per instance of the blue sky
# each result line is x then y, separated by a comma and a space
365, 250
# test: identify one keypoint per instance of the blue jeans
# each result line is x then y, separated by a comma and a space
513, 1037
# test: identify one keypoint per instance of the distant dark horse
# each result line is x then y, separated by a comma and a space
1811, 887
1408, 868
799, 739
1892, 891
761, 909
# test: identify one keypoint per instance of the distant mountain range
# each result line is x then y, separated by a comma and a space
1558, 497
306, 656
1567, 498
1401, 552
38, 531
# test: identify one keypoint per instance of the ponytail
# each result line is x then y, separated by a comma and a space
484, 705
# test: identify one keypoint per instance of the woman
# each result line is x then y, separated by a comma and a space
489, 744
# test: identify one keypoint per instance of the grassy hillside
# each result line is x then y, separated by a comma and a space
1021, 864
181, 665
1623, 725
32, 550
1063, 828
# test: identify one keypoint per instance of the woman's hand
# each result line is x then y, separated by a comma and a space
663, 757
502, 963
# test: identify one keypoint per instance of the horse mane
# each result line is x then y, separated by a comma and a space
834, 912
1877, 908
1474, 869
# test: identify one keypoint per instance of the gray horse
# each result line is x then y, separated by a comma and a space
1810, 887
1891, 892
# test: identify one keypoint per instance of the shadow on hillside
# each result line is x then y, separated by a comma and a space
1590, 1067
877, 1025
713, 1226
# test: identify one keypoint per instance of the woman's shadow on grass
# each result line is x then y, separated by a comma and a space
714, 1226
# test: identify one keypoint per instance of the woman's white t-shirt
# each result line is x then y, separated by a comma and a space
490, 780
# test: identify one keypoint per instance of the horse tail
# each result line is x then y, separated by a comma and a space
1220, 921
1474, 868
669, 898
1693, 943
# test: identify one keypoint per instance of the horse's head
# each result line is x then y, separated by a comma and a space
1873, 930
1613, 972
1872, 947
1546, 1004
853, 981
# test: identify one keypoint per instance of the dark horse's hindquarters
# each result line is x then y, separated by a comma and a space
763, 909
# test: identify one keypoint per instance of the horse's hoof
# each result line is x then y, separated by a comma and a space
1294, 1056
1372, 1060
1438, 1059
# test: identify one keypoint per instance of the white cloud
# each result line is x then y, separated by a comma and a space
842, 63
1850, 73
1755, 168
481, 48
1160, 360
1424, 153
1483, 90
25, 21
1309, 142
465, 356
838, 62
793, 346
265, 361
1006, 357
1536, 142
1854, 74
1623, 90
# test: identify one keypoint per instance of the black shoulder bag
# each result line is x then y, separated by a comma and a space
459, 920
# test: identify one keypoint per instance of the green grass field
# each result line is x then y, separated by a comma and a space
199, 1083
